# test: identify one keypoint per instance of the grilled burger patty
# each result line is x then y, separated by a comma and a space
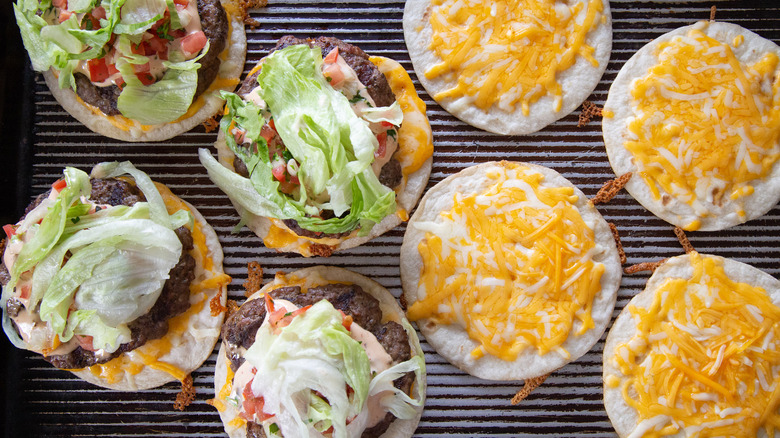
173, 300
377, 87
240, 329
213, 20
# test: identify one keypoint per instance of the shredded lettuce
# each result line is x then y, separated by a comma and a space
303, 371
333, 146
93, 273
63, 45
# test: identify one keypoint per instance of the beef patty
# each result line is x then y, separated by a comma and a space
240, 329
173, 300
214, 24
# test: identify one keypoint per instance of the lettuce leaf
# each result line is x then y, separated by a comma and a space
333, 146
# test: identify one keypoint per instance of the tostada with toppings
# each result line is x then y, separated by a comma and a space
323, 147
135, 70
320, 352
696, 353
114, 278
509, 270
508, 67
695, 114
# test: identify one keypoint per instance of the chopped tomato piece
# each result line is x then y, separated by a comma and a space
272, 124
253, 406
184, 3
59, 185
10, 230
98, 70
279, 171
380, 151
386, 124
295, 180
146, 78
333, 74
332, 56
347, 322
178, 33
112, 70
268, 132
269, 303
25, 292
64, 15
85, 342
194, 43
99, 12
138, 49
62, 4
159, 46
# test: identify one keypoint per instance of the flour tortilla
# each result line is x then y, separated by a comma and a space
196, 344
406, 199
231, 67
317, 276
679, 213
577, 82
624, 418
451, 341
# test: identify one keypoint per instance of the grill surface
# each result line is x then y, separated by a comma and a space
43, 401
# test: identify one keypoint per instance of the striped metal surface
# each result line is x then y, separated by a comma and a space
43, 401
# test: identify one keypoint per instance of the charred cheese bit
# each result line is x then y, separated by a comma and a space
513, 266
704, 357
509, 52
149, 354
706, 126
415, 139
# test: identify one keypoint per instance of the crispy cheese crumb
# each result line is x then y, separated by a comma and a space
528, 387
589, 111
187, 394
211, 124
644, 266
611, 188
686, 244
254, 279
618, 243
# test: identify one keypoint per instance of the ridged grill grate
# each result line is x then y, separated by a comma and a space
47, 402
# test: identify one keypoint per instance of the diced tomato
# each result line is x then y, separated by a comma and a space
333, 73
178, 33
10, 230
64, 15
138, 49
112, 70
268, 132
98, 70
99, 12
184, 3
59, 185
253, 406
380, 151
142, 68
120, 82
386, 124
272, 124
158, 46
332, 56
282, 318
239, 135
279, 171
85, 342
25, 292
194, 43
295, 180
62, 4
146, 78
347, 322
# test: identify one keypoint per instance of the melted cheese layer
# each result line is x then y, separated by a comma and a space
512, 266
706, 126
509, 52
704, 357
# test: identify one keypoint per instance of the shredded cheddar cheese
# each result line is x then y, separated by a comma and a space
704, 357
508, 52
706, 125
512, 265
